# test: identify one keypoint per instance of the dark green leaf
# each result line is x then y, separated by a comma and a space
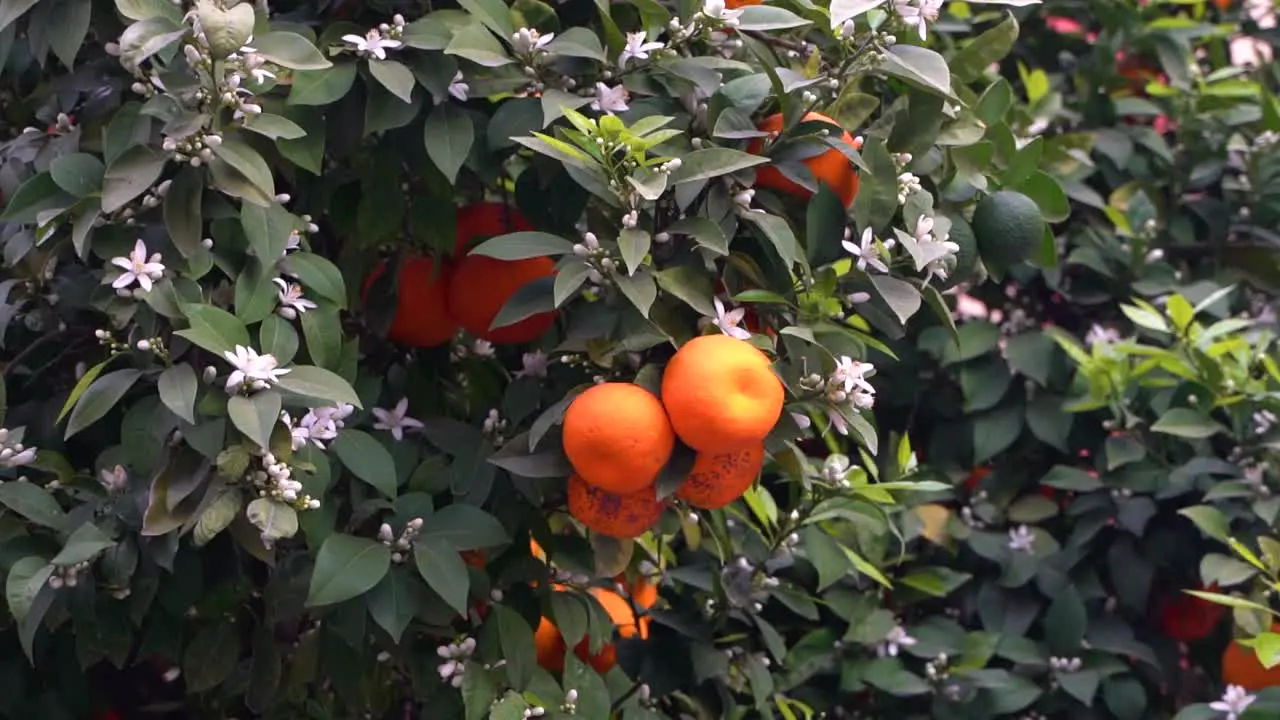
129, 176
448, 134
522, 245
322, 87
178, 385
346, 566
290, 50
318, 383
99, 398
466, 527
255, 415
33, 503
80, 174
367, 459
443, 569
214, 329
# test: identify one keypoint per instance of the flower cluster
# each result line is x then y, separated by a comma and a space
893, 641
68, 575
400, 546
275, 480
597, 258
252, 371
291, 302
12, 452
318, 426
456, 655
376, 42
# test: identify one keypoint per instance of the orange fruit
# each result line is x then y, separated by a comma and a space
644, 593
619, 516
484, 220
1240, 666
617, 437
550, 647
721, 394
474, 558
718, 479
620, 612
422, 316
830, 167
481, 286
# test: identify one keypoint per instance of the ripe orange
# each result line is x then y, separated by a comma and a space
619, 516
721, 394
624, 619
617, 437
484, 220
644, 593
481, 286
830, 167
474, 558
550, 647
422, 316
718, 479
1240, 666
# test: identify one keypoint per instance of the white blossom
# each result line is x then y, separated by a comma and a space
374, 44
534, 364
12, 452
396, 420
138, 268
637, 48
610, 99
458, 89
115, 479
527, 40
1233, 703
802, 420
894, 640
256, 371
852, 374
716, 10
1022, 539
291, 301
918, 13
1101, 334
866, 252
729, 321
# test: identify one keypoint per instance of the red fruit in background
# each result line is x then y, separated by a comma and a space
976, 476
1187, 618
481, 286
486, 220
830, 167
422, 303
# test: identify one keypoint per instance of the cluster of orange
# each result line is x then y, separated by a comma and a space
719, 395
436, 297
830, 167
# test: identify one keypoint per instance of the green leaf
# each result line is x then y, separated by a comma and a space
320, 276
522, 245
227, 29
443, 569
267, 229
570, 616
1048, 195
184, 213
220, 513
577, 42
593, 694
322, 87
367, 459
778, 232
825, 222
479, 691
99, 398
1210, 520
275, 127
247, 162
495, 14
130, 175
33, 503
318, 383
323, 331
901, 296
534, 297
712, 162
346, 566
1065, 621
691, 284
991, 46
704, 232
398, 79
26, 578
517, 646
80, 174
640, 289
83, 545
144, 9
448, 134
214, 329
278, 338
275, 519
768, 17
465, 527
178, 385
37, 194
393, 602
919, 66
290, 50
1187, 423
478, 45
11, 10
255, 415
210, 657
81, 385
634, 245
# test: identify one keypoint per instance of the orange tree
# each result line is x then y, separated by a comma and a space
318, 313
